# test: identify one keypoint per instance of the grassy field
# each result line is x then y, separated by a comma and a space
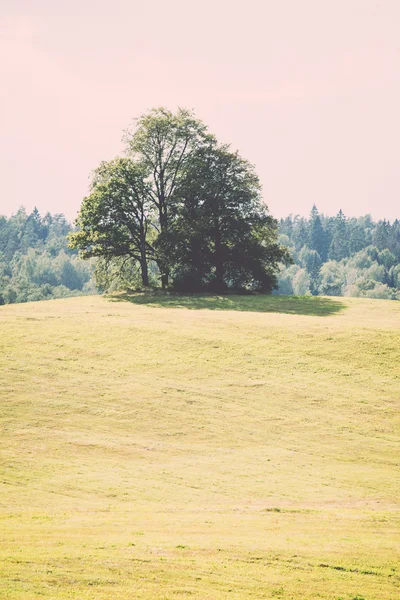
205, 448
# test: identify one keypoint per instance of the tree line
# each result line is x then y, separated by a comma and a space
340, 256
181, 210
35, 261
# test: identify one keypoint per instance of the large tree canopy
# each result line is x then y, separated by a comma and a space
185, 203
221, 235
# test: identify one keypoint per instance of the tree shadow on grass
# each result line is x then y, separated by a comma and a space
294, 305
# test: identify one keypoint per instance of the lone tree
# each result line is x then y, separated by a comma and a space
185, 203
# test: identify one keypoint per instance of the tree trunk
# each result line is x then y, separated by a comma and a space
143, 257
164, 280
163, 226
197, 270
145, 273
219, 263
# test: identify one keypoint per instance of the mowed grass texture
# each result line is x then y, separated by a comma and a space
205, 448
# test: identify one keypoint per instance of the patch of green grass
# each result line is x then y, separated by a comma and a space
246, 451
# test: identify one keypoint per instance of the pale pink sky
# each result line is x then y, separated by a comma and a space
307, 90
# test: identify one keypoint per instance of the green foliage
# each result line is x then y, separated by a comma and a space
183, 203
332, 279
356, 267
317, 235
115, 219
301, 283
311, 261
339, 247
35, 263
221, 235
112, 274
386, 259
163, 142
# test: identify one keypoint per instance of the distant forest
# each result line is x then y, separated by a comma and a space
339, 256
333, 256
35, 262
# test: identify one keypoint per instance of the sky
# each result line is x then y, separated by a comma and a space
306, 90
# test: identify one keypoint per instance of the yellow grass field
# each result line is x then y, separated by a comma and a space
204, 448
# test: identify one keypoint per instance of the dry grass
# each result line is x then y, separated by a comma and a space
154, 448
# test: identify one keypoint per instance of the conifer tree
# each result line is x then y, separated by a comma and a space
316, 235
339, 247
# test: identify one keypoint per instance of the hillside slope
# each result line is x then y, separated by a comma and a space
205, 448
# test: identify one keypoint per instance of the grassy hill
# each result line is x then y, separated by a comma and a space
219, 448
